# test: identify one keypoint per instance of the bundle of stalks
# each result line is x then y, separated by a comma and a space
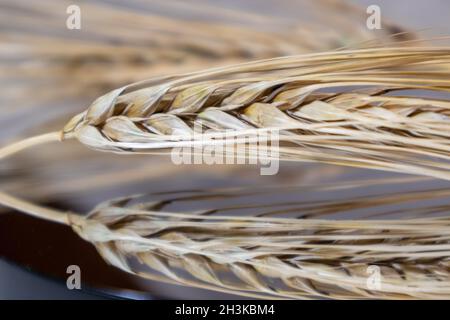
364, 108
286, 252
384, 109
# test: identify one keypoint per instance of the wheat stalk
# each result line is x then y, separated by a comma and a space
335, 107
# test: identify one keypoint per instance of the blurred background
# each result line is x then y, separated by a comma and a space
49, 73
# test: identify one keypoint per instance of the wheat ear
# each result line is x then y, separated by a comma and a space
265, 256
272, 257
365, 108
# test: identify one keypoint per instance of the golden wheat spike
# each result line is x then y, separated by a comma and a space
365, 108
261, 255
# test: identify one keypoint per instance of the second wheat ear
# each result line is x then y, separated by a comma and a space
364, 108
